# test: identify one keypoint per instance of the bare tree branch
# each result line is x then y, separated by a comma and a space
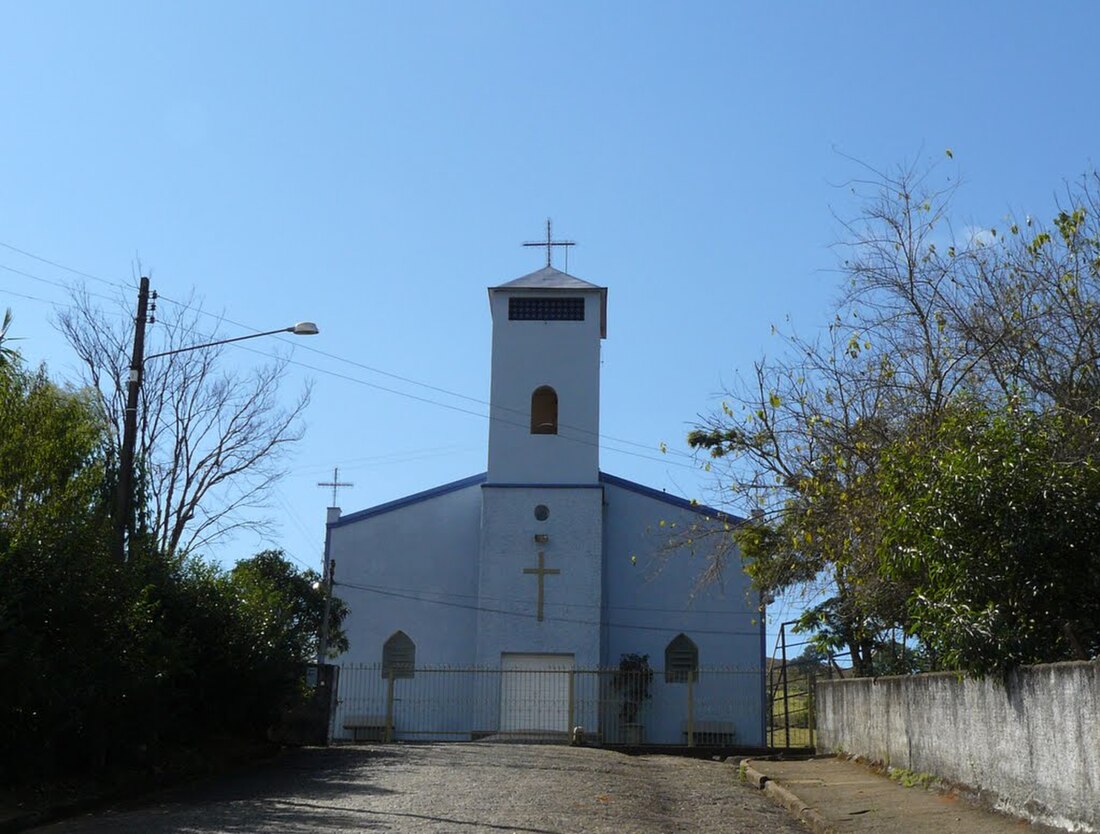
212, 441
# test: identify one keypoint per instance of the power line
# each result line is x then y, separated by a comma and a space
409, 380
32, 298
532, 616
460, 409
440, 390
62, 266
389, 459
444, 595
50, 282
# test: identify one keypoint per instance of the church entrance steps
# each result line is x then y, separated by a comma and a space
522, 738
543, 698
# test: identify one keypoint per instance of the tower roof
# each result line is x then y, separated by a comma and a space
549, 279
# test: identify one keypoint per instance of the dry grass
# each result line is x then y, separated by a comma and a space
799, 737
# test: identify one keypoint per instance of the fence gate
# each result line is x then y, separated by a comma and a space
790, 694
546, 695
536, 693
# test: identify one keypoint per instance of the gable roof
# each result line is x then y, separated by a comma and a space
548, 278
674, 500
415, 498
475, 480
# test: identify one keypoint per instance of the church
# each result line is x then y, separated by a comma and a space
507, 602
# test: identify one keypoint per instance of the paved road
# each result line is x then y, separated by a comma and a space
461, 788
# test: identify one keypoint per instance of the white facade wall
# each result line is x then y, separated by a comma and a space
389, 563
526, 355
447, 566
571, 600
652, 595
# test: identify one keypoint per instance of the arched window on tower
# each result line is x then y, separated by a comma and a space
544, 411
399, 656
681, 660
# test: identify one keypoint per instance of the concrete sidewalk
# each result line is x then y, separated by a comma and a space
835, 796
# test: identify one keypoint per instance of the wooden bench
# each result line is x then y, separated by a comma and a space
710, 733
366, 727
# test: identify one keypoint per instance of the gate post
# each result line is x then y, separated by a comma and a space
572, 705
691, 709
388, 737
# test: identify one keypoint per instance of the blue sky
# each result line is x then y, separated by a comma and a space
375, 166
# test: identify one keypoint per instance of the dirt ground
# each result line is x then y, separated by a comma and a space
478, 787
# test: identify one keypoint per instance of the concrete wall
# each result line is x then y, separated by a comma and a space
1033, 739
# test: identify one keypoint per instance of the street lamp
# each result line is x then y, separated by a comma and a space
302, 328
123, 497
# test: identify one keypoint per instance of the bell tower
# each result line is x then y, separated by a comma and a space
542, 502
545, 390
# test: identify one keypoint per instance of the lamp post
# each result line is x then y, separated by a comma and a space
123, 495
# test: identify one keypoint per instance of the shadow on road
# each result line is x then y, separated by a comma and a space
301, 790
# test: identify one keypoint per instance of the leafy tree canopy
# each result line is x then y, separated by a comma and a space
823, 441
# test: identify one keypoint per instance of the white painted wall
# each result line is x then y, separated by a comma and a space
564, 355
652, 596
572, 599
391, 564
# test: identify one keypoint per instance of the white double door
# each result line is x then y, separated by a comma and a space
534, 692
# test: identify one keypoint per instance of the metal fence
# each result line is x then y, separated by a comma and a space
712, 707
791, 681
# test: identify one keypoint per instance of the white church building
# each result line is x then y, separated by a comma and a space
505, 602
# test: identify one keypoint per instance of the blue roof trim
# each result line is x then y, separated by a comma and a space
480, 479
674, 500
542, 486
415, 498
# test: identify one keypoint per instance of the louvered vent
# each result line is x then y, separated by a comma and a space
681, 660
523, 308
399, 656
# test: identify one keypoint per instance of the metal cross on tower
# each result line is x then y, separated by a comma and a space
335, 483
549, 243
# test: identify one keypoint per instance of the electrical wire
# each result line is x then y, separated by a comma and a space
531, 616
387, 589
669, 453
456, 408
430, 387
39, 258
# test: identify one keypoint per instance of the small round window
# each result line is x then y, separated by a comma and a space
542, 512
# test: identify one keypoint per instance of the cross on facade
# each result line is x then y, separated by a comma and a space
335, 483
549, 243
541, 571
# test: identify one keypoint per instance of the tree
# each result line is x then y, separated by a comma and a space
1036, 307
995, 525
927, 321
632, 681
211, 441
62, 602
7, 354
53, 456
799, 442
105, 665
286, 607
798, 446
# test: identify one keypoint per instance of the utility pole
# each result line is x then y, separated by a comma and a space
322, 648
124, 496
